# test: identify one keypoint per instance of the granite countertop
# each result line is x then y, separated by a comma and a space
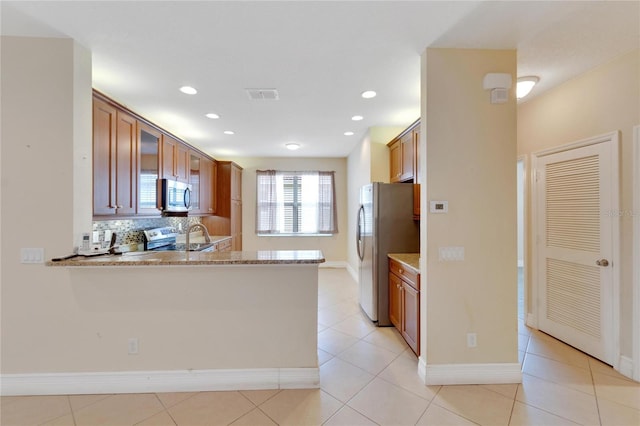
409, 260
181, 258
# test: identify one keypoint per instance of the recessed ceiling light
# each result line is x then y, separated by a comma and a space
357, 117
348, 133
292, 146
212, 115
188, 90
369, 94
228, 132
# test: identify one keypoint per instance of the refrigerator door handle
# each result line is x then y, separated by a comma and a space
359, 242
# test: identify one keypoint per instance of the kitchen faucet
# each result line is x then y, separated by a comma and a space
193, 227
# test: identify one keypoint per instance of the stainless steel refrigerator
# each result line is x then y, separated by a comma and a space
385, 225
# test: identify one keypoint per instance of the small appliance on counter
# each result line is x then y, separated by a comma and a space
88, 249
164, 238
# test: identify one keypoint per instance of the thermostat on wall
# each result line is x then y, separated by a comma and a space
438, 206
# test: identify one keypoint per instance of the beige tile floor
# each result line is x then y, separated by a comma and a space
369, 377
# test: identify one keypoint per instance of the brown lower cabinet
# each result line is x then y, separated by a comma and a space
404, 303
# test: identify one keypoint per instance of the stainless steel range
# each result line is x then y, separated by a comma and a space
163, 239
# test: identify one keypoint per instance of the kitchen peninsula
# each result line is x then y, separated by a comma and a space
195, 321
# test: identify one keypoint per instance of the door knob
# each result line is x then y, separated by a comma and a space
602, 262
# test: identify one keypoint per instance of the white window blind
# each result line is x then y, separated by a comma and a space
295, 202
148, 196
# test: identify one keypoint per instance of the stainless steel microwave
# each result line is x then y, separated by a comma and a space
174, 196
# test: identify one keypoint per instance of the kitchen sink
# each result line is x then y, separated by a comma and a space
196, 247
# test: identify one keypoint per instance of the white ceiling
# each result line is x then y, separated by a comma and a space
319, 55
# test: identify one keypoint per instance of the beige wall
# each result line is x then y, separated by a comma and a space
602, 100
470, 162
42, 79
333, 247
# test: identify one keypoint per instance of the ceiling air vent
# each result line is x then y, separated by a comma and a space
263, 94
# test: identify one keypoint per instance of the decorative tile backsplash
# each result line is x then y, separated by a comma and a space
129, 231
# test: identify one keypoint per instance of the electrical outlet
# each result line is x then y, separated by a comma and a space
472, 340
133, 346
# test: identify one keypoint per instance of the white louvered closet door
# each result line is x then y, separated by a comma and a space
575, 248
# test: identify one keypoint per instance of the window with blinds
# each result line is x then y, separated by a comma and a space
295, 203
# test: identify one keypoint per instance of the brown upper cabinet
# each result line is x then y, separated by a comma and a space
403, 155
208, 174
395, 157
175, 159
115, 161
202, 178
131, 153
404, 161
407, 151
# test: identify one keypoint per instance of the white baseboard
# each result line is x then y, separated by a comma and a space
422, 369
626, 367
159, 381
353, 273
532, 321
341, 264
471, 374
299, 378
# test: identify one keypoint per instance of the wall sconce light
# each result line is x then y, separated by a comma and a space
524, 85
499, 84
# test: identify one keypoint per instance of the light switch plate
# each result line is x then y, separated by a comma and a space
450, 254
32, 255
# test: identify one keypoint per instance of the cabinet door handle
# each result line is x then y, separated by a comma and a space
401, 271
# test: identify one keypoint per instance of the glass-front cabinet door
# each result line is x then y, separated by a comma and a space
149, 161
195, 181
